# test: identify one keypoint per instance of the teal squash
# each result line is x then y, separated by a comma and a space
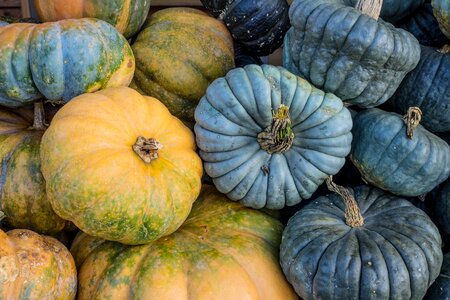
428, 87
372, 245
390, 160
441, 9
268, 138
441, 287
2, 23
61, 60
341, 50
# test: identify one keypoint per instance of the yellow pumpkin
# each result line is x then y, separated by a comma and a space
33, 266
120, 166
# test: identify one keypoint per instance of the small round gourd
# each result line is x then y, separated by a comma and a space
367, 245
127, 16
427, 87
391, 160
129, 171
35, 267
441, 9
341, 50
223, 251
268, 138
441, 287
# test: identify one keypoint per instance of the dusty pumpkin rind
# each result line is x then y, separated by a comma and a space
441, 9
178, 54
223, 251
35, 267
107, 180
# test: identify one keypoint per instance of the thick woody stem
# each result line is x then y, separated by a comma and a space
278, 137
147, 149
372, 8
39, 116
412, 120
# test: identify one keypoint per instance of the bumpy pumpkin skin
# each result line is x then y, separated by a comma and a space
23, 197
396, 254
61, 60
179, 53
222, 251
343, 51
96, 180
441, 287
442, 207
127, 16
35, 267
389, 160
441, 9
239, 106
427, 87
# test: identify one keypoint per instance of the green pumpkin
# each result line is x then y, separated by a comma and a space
372, 245
441, 9
341, 50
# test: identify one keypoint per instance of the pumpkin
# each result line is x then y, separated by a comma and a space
441, 10
405, 164
129, 171
222, 251
394, 10
179, 53
268, 138
3, 23
127, 16
23, 197
9, 20
35, 267
441, 287
427, 87
61, 60
242, 57
341, 50
259, 25
442, 206
424, 26
369, 245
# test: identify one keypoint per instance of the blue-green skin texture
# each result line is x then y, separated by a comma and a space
427, 87
442, 207
441, 287
441, 10
60, 62
388, 159
424, 26
239, 106
340, 50
3, 23
395, 254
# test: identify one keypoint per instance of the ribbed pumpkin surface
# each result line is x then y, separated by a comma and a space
222, 251
441, 9
441, 287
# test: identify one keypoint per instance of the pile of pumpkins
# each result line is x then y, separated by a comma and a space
174, 164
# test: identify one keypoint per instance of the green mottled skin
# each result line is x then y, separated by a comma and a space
441, 10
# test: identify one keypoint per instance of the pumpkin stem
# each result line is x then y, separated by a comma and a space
353, 217
372, 8
278, 137
412, 120
445, 49
2, 216
147, 149
39, 116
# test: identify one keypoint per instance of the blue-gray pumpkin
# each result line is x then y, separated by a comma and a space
343, 51
441, 287
2, 23
394, 10
442, 206
424, 26
243, 57
392, 161
370, 246
427, 87
268, 138
441, 9
259, 25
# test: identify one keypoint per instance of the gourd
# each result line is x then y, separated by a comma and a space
258, 25
34, 266
242, 57
361, 244
398, 154
23, 197
441, 10
222, 251
129, 171
341, 50
127, 16
268, 138
178, 54
427, 87
394, 10
61, 60
441, 287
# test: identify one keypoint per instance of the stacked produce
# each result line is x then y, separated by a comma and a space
158, 149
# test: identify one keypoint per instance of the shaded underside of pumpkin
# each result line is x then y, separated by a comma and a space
441, 10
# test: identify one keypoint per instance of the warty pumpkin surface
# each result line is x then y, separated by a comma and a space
441, 9
395, 253
35, 267
126, 15
23, 197
268, 138
178, 54
341, 50
120, 166
223, 251
61, 60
